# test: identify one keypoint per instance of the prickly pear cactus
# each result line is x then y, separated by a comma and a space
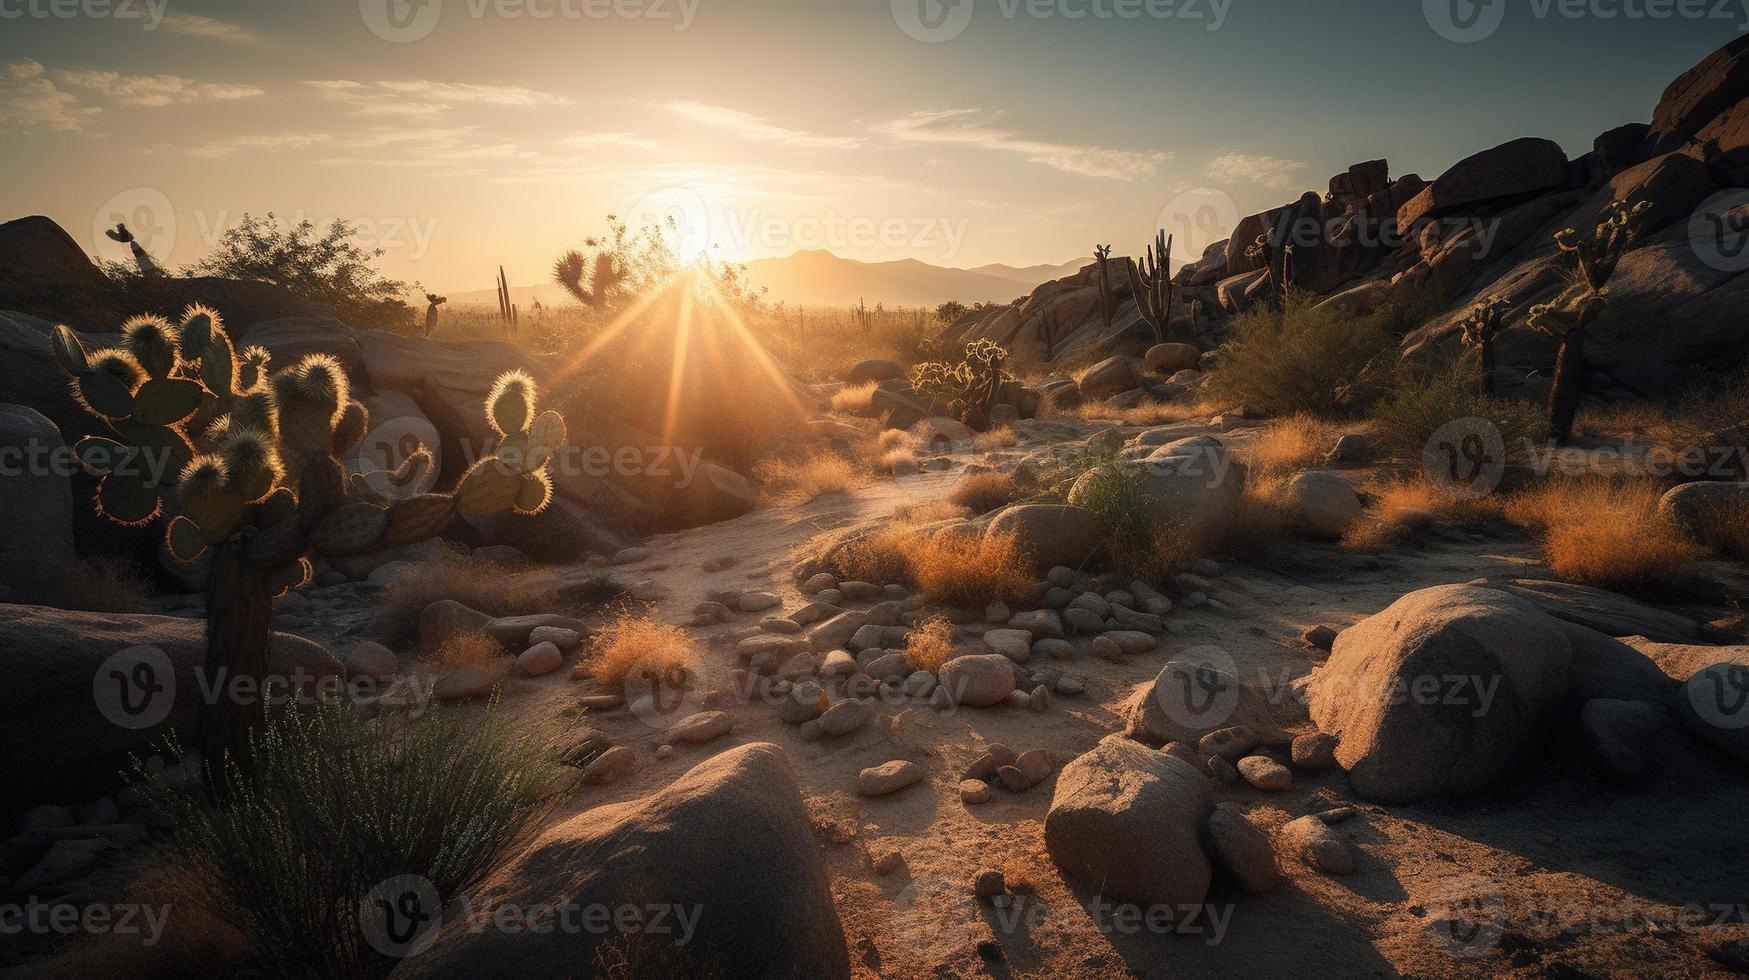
969, 388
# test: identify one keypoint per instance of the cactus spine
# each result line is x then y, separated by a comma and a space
247, 468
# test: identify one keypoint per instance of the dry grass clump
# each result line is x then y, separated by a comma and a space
1606, 533
1002, 437
483, 586
854, 399
984, 492
470, 650
101, 585
795, 481
929, 512
1263, 517
952, 567
1406, 506
1149, 413
1294, 443
634, 645
930, 644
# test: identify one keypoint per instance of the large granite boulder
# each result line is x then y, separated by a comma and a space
1514, 169
36, 498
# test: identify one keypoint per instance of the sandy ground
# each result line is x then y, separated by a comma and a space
1557, 874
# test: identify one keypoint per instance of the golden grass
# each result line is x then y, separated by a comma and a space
930, 644
929, 512
483, 586
470, 650
1002, 437
1263, 517
794, 481
948, 566
634, 645
854, 399
1295, 443
1606, 533
1404, 507
984, 492
1150, 413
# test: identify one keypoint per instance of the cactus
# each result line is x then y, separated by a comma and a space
142, 258
1101, 255
1151, 285
607, 279
256, 483
969, 388
1279, 261
1568, 317
433, 301
1480, 325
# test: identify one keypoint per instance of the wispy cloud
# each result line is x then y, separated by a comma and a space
31, 100
752, 127
221, 149
1267, 171
151, 90
423, 97
194, 25
967, 127
629, 141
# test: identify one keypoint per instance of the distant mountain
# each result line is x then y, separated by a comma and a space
819, 278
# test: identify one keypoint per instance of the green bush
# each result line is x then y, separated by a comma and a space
336, 803
1423, 404
1295, 357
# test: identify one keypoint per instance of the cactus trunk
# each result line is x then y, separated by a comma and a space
1569, 380
1486, 347
239, 631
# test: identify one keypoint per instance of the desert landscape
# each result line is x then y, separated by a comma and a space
1330, 578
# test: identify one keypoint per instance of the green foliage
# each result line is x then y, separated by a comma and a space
969, 388
335, 803
325, 267
1422, 405
949, 312
1297, 357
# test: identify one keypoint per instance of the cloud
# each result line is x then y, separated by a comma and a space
194, 25
30, 99
151, 90
272, 141
423, 97
627, 140
963, 127
754, 128
1268, 171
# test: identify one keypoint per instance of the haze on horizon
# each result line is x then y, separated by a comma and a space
466, 135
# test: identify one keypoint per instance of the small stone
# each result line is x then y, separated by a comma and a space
1231, 744
1092, 602
866, 637
1070, 686
1016, 645
1012, 779
888, 665
1319, 637
845, 717
601, 702
1039, 699
780, 625
819, 583
887, 862
664, 751
537, 661
1043, 624
888, 777
701, 728
757, 601
465, 684
1132, 642
860, 591
1053, 648
831, 597
995, 757
610, 766
1265, 773
565, 639
1019, 699
1083, 621
997, 612
372, 660
1314, 752
1336, 815
1106, 648
1221, 770
1036, 765
713, 610
974, 792
1316, 845
920, 684
989, 883
1194, 599
1242, 849
838, 663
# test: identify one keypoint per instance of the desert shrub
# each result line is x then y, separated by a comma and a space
1606, 533
335, 803
101, 585
635, 646
1297, 357
1150, 413
854, 399
1422, 405
483, 586
947, 565
1002, 437
470, 650
1263, 518
930, 644
984, 492
1294, 443
324, 267
794, 481
1403, 507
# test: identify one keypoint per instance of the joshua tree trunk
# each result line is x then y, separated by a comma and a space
1569, 378
1104, 296
1486, 347
239, 628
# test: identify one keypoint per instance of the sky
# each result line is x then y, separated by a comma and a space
461, 135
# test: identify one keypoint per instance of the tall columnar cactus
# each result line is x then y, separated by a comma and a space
1569, 316
246, 468
1480, 324
1278, 260
433, 301
968, 389
1102, 255
1151, 285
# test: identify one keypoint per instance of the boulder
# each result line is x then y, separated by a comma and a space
736, 849
888, 777
1188, 700
874, 369
1242, 850
1606, 612
1052, 534
939, 435
900, 409
1719, 83
1440, 693
36, 498
1311, 840
1193, 485
1167, 360
75, 710
978, 680
1623, 735
1109, 377
1323, 504
1127, 821
1699, 508
1511, 170
715, 493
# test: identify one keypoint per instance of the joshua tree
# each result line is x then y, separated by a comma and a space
1049, 323
1278, 260
246, 468
1480, 325
1569, 316
1101, 254
969, 388
1152, 285
142, 259
431, 311
603, 284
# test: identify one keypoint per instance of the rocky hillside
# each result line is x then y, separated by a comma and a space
1484, 227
